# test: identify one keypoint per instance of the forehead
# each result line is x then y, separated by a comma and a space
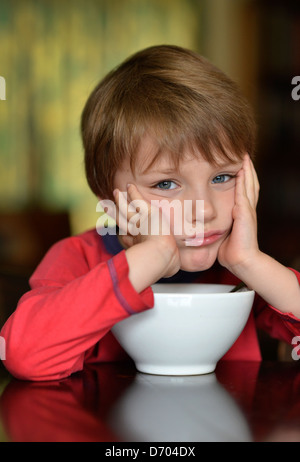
151, 157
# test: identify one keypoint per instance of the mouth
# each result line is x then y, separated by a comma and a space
204, 239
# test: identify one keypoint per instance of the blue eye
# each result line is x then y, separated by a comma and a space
167, 184
221, 179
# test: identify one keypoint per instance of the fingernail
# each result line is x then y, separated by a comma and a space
128, 185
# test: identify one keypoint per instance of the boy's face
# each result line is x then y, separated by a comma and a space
209, 189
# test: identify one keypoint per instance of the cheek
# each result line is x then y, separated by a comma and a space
226, 204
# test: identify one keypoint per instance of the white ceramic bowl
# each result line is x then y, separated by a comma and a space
190, 328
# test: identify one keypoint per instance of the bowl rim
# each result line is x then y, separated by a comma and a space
170, 292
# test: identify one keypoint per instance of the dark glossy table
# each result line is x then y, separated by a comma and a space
241, 401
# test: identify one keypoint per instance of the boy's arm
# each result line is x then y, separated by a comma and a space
70, 308
275, 283
240, 253
147, 263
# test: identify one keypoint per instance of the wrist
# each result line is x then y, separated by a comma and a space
247, 268
148, 262
273, 282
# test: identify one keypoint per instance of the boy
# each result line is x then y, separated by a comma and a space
164, 126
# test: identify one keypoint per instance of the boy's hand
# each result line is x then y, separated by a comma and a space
239, 253
241, 245
157, 253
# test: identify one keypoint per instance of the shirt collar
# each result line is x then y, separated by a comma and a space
112, 243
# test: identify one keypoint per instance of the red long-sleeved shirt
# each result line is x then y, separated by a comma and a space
80, 290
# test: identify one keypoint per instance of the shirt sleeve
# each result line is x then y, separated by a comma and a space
69, 309
282, 326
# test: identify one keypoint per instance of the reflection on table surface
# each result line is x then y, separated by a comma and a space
241, 401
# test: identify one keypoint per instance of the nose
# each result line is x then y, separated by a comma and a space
206, 211
198, 209
209, 209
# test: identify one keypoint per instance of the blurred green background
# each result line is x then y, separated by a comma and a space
52, 54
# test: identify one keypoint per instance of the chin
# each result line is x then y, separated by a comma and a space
198, 259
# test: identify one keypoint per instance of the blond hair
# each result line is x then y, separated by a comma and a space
172, 94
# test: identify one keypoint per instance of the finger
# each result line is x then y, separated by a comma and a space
130, 212
248, 176
118, 199
135, 195
240, 187
256, 181
124, 204
137, 202
250, 181
121, 210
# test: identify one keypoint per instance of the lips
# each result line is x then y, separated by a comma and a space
200, 240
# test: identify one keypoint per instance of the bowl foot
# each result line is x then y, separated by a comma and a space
175, 370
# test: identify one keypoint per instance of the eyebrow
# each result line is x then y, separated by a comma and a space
165, 171
172, 170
